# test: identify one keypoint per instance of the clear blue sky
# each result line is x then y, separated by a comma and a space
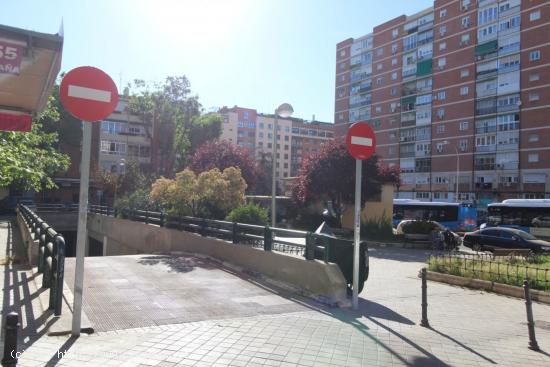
251, 53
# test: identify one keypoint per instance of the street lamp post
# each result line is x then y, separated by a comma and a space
285, 110
457, 169
121, 165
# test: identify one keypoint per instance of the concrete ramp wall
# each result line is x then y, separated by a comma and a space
324, 282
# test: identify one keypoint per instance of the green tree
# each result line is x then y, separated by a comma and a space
29, 159
203, 129
210, 194
169, 107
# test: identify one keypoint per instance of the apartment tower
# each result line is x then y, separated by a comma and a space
459, 97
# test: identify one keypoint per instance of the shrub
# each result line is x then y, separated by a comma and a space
377, 229
139, 199
249, 213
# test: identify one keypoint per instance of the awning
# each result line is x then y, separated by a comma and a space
28, 69
486, 48
424, 67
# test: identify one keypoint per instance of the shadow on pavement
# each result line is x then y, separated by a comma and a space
400, 254
61, 352
372, 309
179, 264
462, 345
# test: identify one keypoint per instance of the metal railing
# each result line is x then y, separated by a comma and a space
51, 256
257, 236
511, 270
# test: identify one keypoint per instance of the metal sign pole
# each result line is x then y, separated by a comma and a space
82, 230
357, 233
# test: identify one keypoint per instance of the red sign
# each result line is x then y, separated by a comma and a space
361, 140
88, 93
15, 122
11, 55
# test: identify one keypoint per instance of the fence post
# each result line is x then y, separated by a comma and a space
310, 246
161, 219
235, 233
424, 322
10, 340
203, 227
268, 239
530, 323
56, 291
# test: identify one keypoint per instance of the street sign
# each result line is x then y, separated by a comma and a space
361, 141
88, 93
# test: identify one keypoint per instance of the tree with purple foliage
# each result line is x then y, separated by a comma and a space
223, 154
330, 176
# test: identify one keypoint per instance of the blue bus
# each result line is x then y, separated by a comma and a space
458, 217
529, 215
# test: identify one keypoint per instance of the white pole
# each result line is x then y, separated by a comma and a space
82, 219
457, 168
357, 234
273, 171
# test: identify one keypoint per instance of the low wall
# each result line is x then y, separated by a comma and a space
60, 221
324, 282
31, 245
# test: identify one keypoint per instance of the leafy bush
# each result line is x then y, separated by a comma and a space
139, 199
418, 227
249, 213
377, 229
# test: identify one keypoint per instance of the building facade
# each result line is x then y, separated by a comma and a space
459, 98
295, 138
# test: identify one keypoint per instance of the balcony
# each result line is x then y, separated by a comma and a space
426, 26
406, 154
485, 148
486, 74
509, 49
423, 153
486, 129
407, 139
508, 107
360, 104
423, 137
359, 77
508, 69
422, 169
486, 110
484, 185
408, 73
484, 166
408, 92
408, 116
514, 146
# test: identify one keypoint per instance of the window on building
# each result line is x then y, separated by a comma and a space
441, 95
269, 145
533, 97
379, 81
465, 22
393, 91
533, 157
394, 76
487, 15
269, 135
464, 73
441, 63
465, 4
287, 138
380, 51
463, 145
534, 55
535, 15
379, 66
442, 30
394, 61
394, 48
270, 126
342, 53
442, 46
440, 129
261, 134
463, 126
464, 39
443, 13
395, 32
440, 112
378, 109
533, 138
464, 91
534, 77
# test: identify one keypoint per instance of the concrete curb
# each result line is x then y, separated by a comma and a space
413, 245
489, 286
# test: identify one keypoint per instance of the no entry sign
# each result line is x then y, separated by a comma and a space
88, 93
361, 141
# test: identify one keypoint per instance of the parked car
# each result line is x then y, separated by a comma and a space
8, 205
422, 230
502, 237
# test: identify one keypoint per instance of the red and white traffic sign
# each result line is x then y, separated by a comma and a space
88, 93
361, 141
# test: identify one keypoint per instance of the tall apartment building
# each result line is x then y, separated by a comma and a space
296, 138
459, 97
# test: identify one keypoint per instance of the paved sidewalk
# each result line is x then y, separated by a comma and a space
470, 328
